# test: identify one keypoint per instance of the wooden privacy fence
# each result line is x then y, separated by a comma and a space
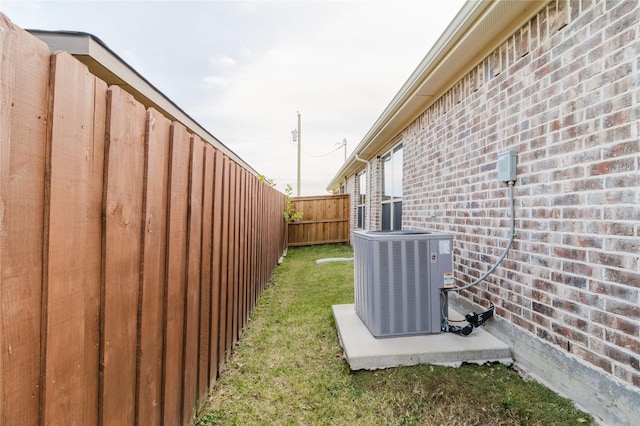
325, 220
131, 251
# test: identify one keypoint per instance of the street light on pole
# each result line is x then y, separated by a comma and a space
299, 142
295, 137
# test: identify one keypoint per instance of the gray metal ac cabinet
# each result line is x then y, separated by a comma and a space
398, 276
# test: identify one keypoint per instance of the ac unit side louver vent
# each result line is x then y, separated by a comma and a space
398, 276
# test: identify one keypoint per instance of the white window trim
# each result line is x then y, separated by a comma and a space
359, 204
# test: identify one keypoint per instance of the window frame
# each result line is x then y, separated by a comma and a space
361, 203
391, 202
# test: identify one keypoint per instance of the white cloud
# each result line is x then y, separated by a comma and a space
225, 61
213, 80
243, 69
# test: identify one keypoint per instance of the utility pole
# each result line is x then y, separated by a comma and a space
299, 142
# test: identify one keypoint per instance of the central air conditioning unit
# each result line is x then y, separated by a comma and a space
398, 277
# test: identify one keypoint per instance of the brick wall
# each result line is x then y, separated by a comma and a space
564, 92
373, 218
376, 193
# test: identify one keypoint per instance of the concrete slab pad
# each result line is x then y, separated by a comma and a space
364, 352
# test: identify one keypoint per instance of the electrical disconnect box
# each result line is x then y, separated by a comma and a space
507, 162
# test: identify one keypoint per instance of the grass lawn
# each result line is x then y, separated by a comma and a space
288, 369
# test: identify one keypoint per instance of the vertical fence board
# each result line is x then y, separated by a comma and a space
268, 241
176, 274
206, 277
72, 272
192, 304
238, 257
216, 261
97, 187
278, 225
247, 239
224, 262
241, 245
255, 241
249, 247
24, 80
238, 265
251, 242
260, 239
124, 177
151, 316
231, 280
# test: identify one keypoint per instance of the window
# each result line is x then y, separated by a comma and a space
362, 199
392, 189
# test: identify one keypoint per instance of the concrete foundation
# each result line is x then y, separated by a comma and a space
364, 352
608, 400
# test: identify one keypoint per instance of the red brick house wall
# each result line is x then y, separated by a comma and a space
564, 92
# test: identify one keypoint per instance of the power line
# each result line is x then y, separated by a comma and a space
321, 155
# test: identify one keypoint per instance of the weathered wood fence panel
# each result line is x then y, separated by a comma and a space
24, 103
131, 250
122, 243
176, 272
194, 256
325, 220
205, 274
152, 293
216, 265
73, 224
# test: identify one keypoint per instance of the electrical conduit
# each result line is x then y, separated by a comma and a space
506, 250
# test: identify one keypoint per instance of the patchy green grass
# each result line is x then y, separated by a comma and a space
288, 369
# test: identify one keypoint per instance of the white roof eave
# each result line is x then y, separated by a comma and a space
476, 30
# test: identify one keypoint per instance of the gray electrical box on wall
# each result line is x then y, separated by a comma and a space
507, 162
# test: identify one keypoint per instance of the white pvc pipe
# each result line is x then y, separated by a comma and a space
334, 259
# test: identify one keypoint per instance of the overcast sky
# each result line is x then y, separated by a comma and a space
242, 69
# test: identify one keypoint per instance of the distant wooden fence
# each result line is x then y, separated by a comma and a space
325, 220
131, 251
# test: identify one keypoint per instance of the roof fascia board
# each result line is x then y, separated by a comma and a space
479, 23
